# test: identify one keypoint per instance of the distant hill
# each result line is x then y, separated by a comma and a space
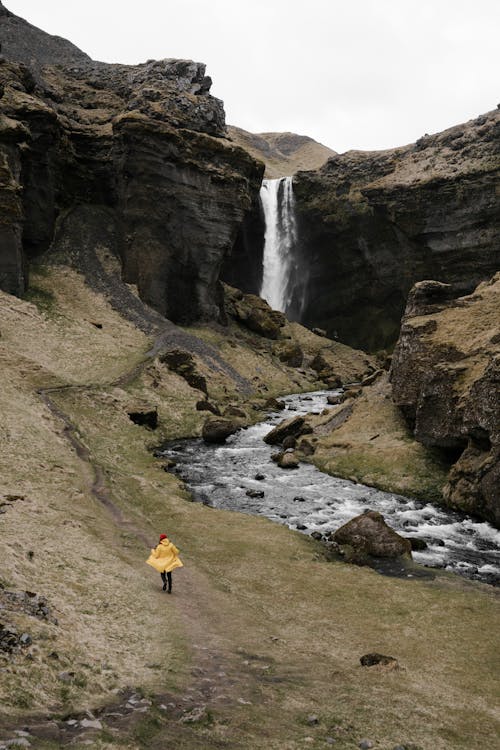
25, 43
282, 153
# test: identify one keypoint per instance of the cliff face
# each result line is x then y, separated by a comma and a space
145, 142
446, 379
374, 223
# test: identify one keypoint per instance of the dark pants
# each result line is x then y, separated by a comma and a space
166, 577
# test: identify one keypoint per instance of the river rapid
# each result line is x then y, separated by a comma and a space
308, 500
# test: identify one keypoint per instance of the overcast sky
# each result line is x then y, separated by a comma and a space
365, 74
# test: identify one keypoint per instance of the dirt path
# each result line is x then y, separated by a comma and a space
218, 681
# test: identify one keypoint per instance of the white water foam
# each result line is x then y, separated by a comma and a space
279, 241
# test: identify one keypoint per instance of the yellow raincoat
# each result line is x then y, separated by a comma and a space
164, 557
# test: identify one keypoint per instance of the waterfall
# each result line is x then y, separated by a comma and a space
280, 240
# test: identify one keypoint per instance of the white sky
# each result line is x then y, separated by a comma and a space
365, 74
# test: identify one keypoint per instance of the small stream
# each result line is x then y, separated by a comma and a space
309, 500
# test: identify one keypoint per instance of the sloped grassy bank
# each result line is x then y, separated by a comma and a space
277, 629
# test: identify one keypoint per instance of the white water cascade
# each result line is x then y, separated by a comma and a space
279, 241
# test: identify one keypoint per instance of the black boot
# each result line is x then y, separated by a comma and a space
164, 579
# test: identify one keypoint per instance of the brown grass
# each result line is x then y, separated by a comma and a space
277, 628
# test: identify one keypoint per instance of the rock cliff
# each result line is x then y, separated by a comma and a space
374, 223
446, 379
145, 142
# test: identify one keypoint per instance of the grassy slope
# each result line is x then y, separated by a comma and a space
279, 627
375, 446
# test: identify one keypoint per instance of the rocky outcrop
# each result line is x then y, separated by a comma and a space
446, 379
254, 313
374, 223
145, 142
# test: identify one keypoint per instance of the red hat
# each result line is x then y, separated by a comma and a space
163, 536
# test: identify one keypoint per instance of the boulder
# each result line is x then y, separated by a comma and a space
369, 534
334, 399
289, 428
289, 353
217, 429
274, 404
288, 460
289, 442
254, 493
254, 313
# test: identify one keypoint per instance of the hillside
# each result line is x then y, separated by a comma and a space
244, 651
282, 153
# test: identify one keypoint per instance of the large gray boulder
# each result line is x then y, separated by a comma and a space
217, 429
369, 534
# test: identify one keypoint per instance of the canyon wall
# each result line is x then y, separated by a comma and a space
446, 379
147, 143
374, 223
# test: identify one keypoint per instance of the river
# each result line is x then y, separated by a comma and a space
309, 500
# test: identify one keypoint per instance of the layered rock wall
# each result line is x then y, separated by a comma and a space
372, 224
145, 142
446, 379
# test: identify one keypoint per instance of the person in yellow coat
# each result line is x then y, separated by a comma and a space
165, 558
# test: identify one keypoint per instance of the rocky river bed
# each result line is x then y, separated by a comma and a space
240, 476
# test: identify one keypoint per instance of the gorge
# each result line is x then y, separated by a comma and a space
139, 236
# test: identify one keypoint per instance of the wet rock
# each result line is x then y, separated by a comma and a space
289, 428
334, 400
289, 442
299, 499
148, 418
169, 464
417, 544
207, 406
369, 534
375, 659
259, 477
317, 535
274, 404
319, 332
217, 429
254, 493
288, 460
